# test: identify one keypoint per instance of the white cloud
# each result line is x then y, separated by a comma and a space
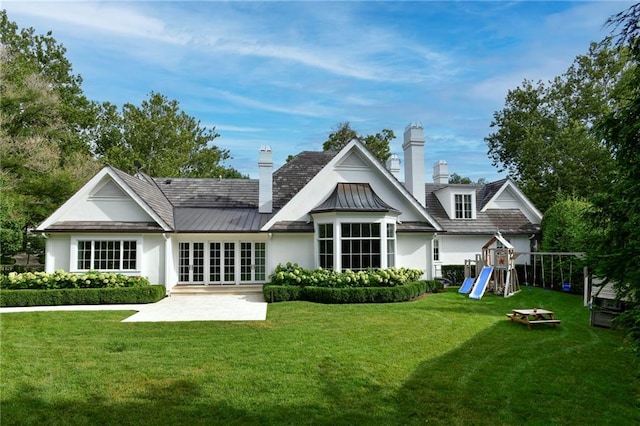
112, 18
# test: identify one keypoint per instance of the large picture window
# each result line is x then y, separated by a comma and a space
107, 255
361, 248
463, 206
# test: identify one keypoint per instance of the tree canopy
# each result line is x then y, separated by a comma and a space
544, 135
377, 144
53, 139
614, 253
161, 138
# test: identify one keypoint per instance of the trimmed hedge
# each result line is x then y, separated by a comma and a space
82, 296
282, 293
454, 273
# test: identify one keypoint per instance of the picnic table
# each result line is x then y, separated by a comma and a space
533, 316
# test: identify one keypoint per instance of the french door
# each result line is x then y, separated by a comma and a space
191, 263
222, 263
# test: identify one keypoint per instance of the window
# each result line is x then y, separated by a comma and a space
360, 246
436, 250
463, 206
325, 245
107, 255
391, 245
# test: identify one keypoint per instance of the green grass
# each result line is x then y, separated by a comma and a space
443, 359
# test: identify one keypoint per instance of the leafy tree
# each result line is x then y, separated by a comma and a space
614, 254
545, 138
377, 144
565, 226
42, 56
42, 156
161, 138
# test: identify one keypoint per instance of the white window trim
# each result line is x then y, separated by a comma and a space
473, 205
337, 220
73, 255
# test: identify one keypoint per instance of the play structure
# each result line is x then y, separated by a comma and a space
495, 270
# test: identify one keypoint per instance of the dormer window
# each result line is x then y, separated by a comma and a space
463, 206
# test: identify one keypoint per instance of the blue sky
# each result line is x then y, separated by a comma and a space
284, 74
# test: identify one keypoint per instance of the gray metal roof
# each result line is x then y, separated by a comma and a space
353, 197
200, 219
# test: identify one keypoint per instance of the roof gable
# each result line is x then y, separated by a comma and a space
113, 196
309, 183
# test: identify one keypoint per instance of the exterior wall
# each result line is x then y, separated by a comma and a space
153, 255
414, 251
294, 248
455, 249
57, 253
125, 210
60, 253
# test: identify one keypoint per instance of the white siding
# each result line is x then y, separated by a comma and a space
57, 253
414, 251
455, 249
294, 248
152, 262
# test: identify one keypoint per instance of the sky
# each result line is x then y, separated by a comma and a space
285, 74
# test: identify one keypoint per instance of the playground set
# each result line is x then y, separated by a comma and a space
495, 270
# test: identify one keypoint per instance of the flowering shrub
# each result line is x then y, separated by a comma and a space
61, 279
294, 275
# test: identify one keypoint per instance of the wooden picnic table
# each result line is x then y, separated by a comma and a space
533, 316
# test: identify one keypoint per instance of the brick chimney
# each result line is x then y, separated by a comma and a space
265, 177
413, 147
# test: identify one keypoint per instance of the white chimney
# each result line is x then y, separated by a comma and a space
441, 172
413, 147
265, 177
393, 165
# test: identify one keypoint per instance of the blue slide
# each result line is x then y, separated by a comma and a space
466, 285
481, 283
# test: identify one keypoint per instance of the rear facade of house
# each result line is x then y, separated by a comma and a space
337, 210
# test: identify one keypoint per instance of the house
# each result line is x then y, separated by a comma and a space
342, 210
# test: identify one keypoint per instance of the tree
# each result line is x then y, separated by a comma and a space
377, 144
43, 157
565, 226
614, 254
42, 56
164, 140
545, 138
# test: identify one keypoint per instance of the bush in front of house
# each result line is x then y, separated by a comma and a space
61, 280
292, 282
293, 275
344, 295
82, 296
454, 273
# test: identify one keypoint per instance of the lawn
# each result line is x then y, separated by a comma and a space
443, 359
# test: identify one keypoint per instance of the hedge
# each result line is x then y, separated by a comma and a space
83, 296
282, 293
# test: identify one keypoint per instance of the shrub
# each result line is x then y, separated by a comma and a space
273, 293
454, 273
84, 296
61, 279
293, 275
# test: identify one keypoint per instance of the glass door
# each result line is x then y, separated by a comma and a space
191, 263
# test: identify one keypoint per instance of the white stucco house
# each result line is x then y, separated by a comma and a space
341, 210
